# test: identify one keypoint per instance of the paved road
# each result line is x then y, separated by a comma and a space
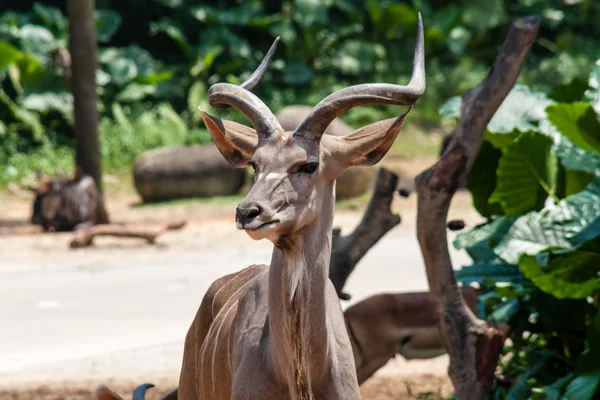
123, 312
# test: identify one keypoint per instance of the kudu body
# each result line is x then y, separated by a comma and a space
277, 331
387, 324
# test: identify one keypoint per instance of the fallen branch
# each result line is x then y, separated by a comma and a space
473, 346
84, 237
347, 251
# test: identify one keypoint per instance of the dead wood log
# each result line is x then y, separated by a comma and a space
347, 251
85, 236
473, 346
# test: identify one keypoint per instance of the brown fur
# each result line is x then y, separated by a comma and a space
386, 324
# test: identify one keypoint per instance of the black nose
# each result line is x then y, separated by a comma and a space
247, 214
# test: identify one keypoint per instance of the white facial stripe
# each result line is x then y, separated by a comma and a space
273, 176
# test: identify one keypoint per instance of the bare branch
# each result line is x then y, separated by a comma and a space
347, 251
84, 237
473, 346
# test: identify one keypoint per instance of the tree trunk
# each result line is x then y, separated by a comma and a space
82, 46
347, 251
473, 347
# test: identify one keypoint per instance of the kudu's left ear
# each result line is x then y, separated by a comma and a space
236, 142
368, 145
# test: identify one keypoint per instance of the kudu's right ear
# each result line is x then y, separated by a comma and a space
236, 142
104, 393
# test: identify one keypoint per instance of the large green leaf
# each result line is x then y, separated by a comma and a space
172, 29
482, 232
27, 118
583, 387
573, 275
484, 15
556, 226
575, 158
107, 24
520, 111
481, 179
122, 70
8, 54
135, 92
553, 391
494, 271
526, 175
593, 93
52, 17
37, 41
297, 74
569, 92
578, 122
45, 101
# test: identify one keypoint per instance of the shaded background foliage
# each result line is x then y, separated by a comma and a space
158, 56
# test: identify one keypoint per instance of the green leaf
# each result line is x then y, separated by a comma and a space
37, 41
526, 175
556, 226
504, 311
297, 74
45, 101
575, 158
356, 57
172, 30
484, 232
27, 118
8, 54
593, 93
53, 17
573, 275
484, 15
122, 70
570, 92
153, 79
481, 179
554, 390
107, 24
451, 108
457, 39
135, 92
576, 181
481, 271
520, 111
501, 140
583, 387
578, 122
310, 13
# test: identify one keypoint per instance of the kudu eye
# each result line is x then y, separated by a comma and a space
308, 168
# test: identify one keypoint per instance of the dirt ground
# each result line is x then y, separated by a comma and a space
421, 387
17, 236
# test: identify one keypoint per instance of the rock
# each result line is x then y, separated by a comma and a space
353, 181
187, 171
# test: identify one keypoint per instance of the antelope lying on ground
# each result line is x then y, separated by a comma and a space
64, 204
277, 331
384, 325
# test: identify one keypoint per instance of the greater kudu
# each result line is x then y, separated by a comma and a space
277, 331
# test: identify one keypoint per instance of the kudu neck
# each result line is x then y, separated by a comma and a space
297, 311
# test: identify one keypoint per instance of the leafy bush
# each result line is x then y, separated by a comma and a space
537, 180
